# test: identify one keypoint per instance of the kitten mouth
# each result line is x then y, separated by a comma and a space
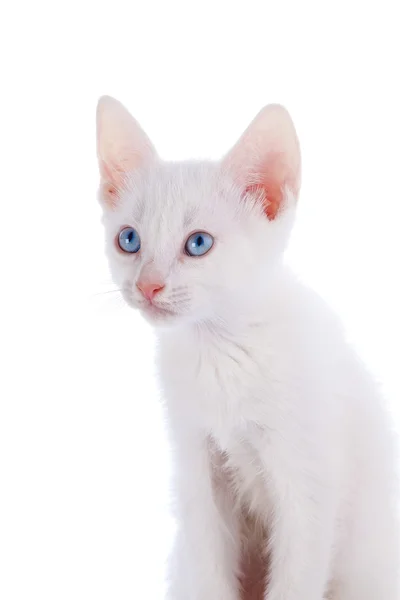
156, 311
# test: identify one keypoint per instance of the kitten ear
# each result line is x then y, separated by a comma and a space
122, 146
266, 159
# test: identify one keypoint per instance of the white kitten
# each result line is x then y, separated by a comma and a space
284, 460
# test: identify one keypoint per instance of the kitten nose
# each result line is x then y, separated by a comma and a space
149, 289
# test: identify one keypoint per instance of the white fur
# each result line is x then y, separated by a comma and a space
281, 442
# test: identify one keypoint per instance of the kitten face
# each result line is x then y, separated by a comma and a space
166, 203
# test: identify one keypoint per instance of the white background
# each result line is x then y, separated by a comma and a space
84, 466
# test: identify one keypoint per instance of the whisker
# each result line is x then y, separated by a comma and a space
175, 301
174, 305
106, 292
177, 294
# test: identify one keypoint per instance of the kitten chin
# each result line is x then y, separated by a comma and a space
158, 316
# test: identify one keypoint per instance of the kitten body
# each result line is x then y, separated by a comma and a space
284, 473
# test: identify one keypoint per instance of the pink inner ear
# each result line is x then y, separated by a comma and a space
272, 196
270, 181
109, 193
112, 176
113, 172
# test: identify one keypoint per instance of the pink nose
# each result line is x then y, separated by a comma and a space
149, 289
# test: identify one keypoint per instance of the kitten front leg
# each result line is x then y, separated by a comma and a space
205, 557
301, 533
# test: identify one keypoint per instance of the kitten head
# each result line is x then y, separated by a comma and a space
196, 241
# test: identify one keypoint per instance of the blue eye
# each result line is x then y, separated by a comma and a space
129, 240
199, 243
